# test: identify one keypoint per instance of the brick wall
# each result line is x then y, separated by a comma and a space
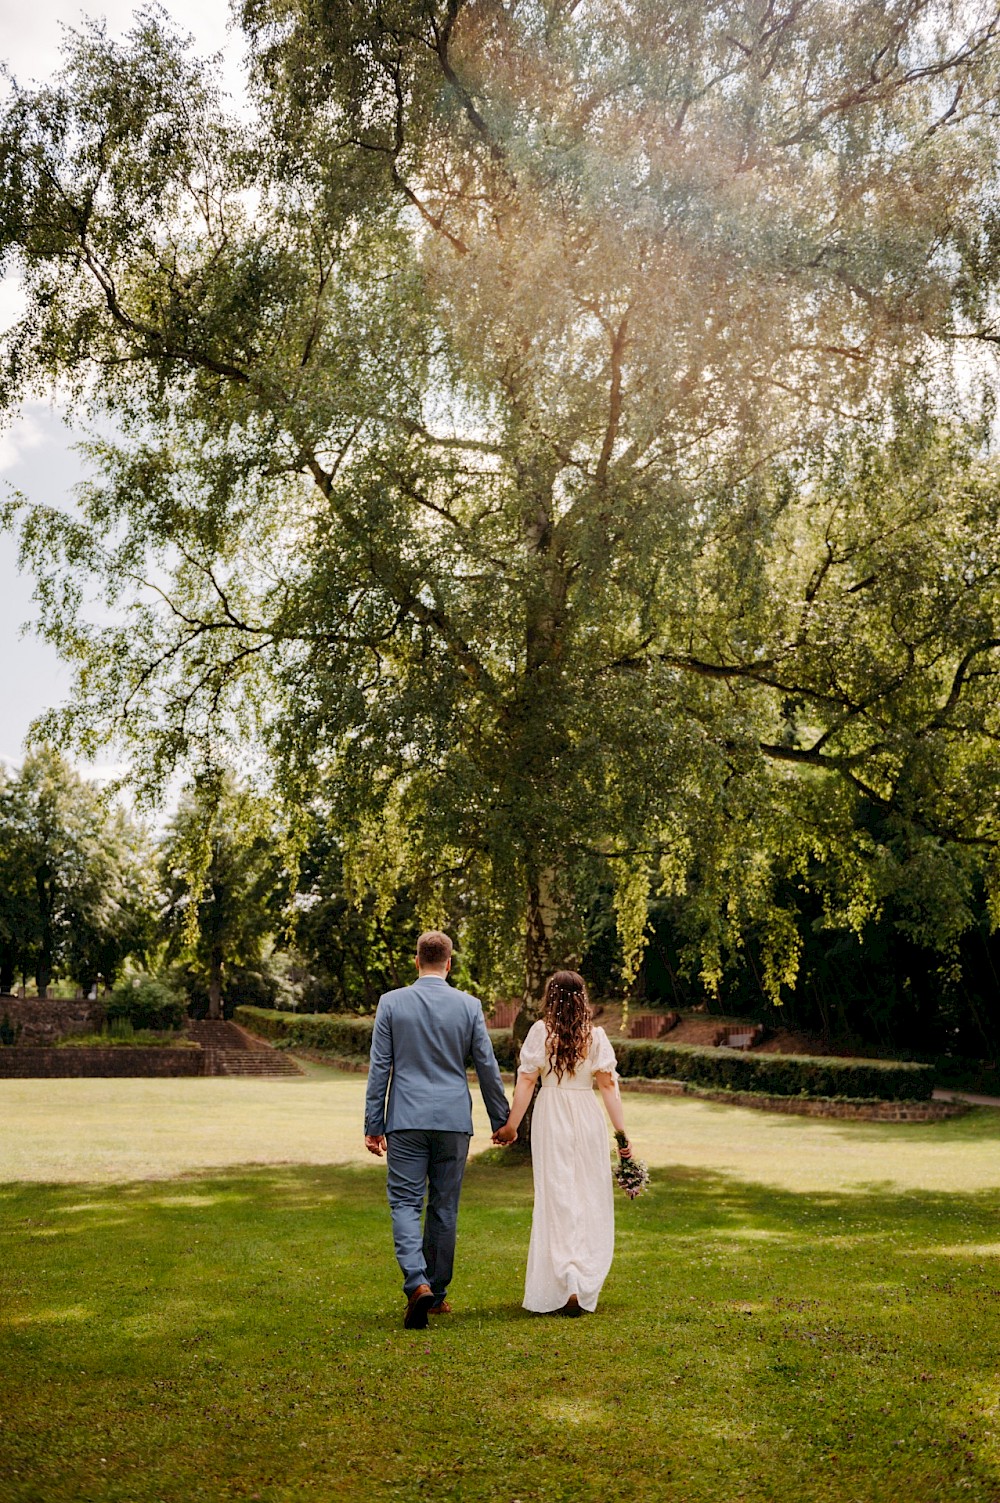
652, 1025
42, 1022
41, 1063
805, 1106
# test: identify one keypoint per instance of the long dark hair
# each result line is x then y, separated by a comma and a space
567, 1022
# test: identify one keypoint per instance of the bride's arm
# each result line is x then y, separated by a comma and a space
523, 1092
612, 1104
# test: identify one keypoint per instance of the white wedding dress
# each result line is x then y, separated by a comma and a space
573, 1224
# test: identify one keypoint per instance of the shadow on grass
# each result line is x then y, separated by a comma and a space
239, 1333
681, 1201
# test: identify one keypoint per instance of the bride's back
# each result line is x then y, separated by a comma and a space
539, 1056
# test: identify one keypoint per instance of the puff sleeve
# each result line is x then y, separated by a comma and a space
532, 1059
602, 1055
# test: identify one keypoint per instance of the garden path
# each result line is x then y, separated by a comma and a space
972, 1097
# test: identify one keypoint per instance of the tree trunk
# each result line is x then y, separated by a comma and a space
537, 954
215, 984
525, 1018
537, 968
43, 970
543, 654
393, 972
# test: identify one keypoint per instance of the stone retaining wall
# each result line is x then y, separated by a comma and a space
805, 1106
43, 1021
335, 1061
796, 1106
22, 1063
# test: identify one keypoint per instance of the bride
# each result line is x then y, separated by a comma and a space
573, 1225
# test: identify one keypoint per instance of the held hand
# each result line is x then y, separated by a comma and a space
505, 1136
626, 1151
375, 1145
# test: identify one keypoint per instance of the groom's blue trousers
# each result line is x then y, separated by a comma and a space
425, 1163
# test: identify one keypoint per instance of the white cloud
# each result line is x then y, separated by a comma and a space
12, 302
33, 34
36, 450
24, 433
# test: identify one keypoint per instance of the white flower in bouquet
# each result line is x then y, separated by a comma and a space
631, 1174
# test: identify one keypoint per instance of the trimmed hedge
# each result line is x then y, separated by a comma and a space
332, 1032
338, 1034
777, 1074
140, 1038
715, 1069
964, 1072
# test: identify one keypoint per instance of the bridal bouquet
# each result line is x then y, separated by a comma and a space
631, 1174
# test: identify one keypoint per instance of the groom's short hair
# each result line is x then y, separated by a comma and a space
433, 948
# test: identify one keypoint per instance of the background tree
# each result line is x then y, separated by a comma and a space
114, 919
18, 894
356, 946
224, 883
541, 427
75, 889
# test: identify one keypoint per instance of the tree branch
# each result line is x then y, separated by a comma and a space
406, 598
614, 402
960, 678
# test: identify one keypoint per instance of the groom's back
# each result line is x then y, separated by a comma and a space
431, 1027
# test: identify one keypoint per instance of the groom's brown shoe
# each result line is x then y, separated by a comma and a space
419, 1303
441, 1308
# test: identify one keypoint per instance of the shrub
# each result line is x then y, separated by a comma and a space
9, 1032
135, 1038
337, 1034
331, 1032
965, 1073
715, 1069
502, 1040
776, 1074
146, 1003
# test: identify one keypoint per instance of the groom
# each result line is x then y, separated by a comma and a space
422, 1037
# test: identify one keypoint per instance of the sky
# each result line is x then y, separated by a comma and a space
36, 451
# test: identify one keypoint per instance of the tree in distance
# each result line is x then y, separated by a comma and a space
76, 895
221, 872
559, 437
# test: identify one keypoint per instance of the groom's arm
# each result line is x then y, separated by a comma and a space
488, 1071
379, 1071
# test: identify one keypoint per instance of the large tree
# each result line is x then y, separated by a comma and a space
19, 914
75, 891
543, 425
356, 945
112, 918
224, 885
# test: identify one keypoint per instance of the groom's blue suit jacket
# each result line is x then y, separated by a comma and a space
422, 1037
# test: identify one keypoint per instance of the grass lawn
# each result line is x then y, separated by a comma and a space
798, 1310
121, 1130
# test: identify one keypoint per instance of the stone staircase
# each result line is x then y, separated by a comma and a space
230, 1050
